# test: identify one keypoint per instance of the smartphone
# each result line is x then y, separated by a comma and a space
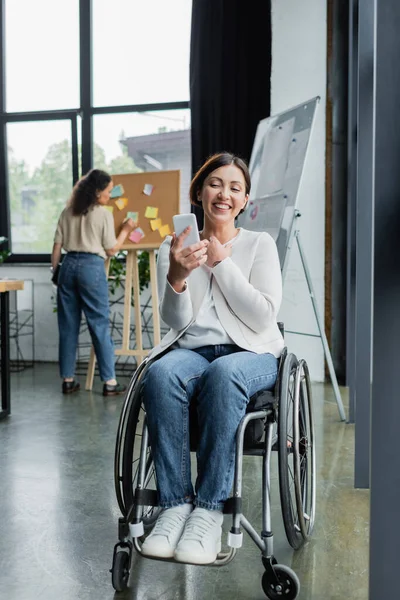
183, 221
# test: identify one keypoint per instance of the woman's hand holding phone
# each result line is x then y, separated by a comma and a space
183, 260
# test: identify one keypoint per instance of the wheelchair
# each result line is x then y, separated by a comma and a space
279, 420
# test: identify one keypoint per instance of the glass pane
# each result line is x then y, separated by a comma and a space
42, 54
149, 141
40, 182
140, 51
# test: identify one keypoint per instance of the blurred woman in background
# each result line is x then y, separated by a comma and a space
85, 230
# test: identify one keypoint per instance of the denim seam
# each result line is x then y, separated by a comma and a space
184, 457
209, 505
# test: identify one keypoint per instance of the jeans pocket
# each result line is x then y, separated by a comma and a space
65, 272
92, 274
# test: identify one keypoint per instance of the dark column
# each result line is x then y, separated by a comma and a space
85, 26
385, 414
351, 204
338, 94
364, 248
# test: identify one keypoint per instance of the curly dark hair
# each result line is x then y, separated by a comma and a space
84, 194
221, 159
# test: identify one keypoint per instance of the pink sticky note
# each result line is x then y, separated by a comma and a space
136, 235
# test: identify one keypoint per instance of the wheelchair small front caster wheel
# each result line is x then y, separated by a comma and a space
288, 585
120, 571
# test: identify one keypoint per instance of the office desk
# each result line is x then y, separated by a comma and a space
6, 286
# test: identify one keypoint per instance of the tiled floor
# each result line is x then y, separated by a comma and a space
58, 513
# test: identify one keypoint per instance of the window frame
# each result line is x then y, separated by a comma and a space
86, 111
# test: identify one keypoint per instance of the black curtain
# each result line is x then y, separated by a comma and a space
230, 76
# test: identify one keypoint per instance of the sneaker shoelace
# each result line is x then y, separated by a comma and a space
198, 526
167, 522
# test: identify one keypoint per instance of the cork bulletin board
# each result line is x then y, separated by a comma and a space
155, 197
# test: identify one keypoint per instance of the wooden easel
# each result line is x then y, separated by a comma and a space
132, 284
164, 196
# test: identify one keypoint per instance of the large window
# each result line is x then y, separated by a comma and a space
42, 54
140, 51
146, 141
88, 83
40, 180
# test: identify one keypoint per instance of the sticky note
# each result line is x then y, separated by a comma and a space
117, 191
155, 224
136, 235
121, 203
151, 212
109, 208
132, 215
148, 188
164, 230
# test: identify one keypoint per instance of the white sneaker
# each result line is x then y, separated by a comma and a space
201, 540
165, 535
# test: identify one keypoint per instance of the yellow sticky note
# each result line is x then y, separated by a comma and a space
151, 212
121, 203
155, 224
164, 230
109, 208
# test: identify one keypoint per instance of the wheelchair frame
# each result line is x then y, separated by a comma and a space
290, 406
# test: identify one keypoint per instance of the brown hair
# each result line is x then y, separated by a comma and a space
84, 194
222, 159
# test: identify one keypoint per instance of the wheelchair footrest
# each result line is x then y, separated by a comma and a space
235, 540
136, 529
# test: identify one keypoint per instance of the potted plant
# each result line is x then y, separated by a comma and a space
4, 254
117, 271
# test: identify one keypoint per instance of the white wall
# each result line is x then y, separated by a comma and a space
45, 319
46, 333
298, 74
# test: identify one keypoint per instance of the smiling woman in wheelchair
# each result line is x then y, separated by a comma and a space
220, 297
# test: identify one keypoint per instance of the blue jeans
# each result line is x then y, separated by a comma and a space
222, 378
82, 286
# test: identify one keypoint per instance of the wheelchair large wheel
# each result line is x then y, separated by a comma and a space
287, 484
130, 463
304, 451
127, 452
129, 413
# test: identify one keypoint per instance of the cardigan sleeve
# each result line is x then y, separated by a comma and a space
255, 301
175, 308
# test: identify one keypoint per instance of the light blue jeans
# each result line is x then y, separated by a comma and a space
82, 286
222, 378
